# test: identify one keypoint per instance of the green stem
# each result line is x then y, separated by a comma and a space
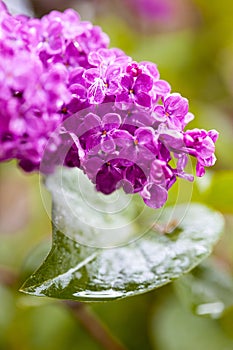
94, 326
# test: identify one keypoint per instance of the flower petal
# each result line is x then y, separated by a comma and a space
143, 83
107, 144
96, 92
161, 87
127, 82
143, 99
113, 120
154, 195
91, 75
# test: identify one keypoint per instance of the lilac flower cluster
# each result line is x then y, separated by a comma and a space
61, 88
40, 62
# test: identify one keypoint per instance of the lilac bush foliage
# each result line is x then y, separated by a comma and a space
67, 99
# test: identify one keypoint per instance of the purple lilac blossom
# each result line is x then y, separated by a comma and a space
67, 99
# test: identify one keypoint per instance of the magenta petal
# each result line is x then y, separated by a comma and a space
154, 195
75, 75
176, 105
159, 114
107, 179
92, 166
113, 71
162, 87
186, 176
107, 144
113, 87
127, 82
122, 135
143, 83
123, 100
151, 68
123, 97
209, 161
145, 153
135, 175
172, 139
122, 138
112, 119
91, 75
96, 93
106, 182
188, 118
107, 55
129, 152
81, 152
144, 135
207, 148
91, 121
182, 162
143, 99
94, 58
213, 134
200, 170
79, 92
156, 172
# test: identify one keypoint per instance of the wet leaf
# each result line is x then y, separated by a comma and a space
207, 290
140, 259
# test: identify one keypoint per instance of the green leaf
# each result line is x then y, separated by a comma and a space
207, 290
105, 248
175, 328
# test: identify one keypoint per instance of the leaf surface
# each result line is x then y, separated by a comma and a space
143, 258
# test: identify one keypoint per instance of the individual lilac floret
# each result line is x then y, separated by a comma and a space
201, 144
100, 132
103, 80
66, 99
118, 173
135, 90
174, 111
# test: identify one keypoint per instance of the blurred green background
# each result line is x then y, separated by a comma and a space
192, 44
